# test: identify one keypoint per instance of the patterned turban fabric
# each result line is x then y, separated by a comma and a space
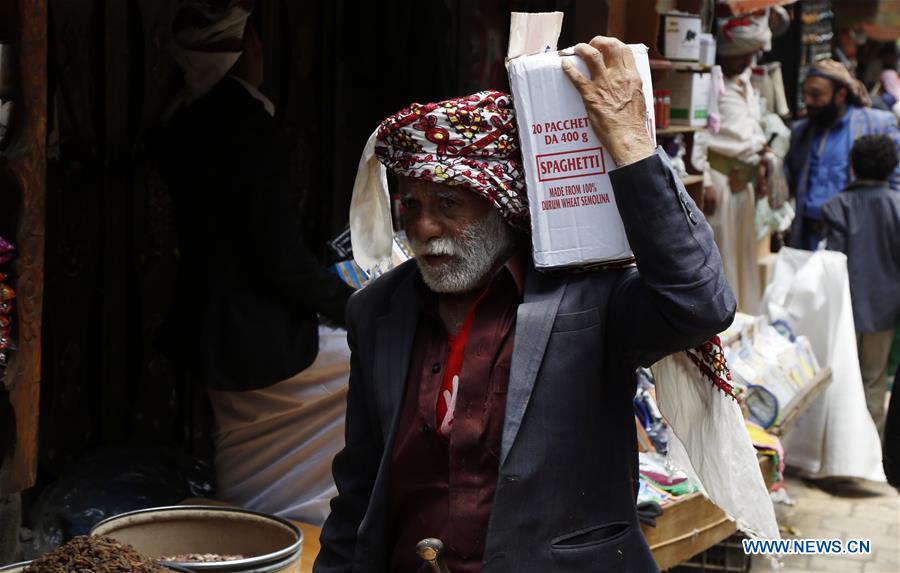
470, 141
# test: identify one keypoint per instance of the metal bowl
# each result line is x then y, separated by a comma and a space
19, 567
270, 543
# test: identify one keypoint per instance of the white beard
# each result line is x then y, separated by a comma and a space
473, 254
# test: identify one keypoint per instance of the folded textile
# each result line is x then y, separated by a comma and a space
648, 493
768, 445
350, 273
648, 512
656, 471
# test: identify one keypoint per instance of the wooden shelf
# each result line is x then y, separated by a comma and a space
767, 468
664, 65
692, 180
688, 526
690, 67
802, 401
676, 129
692, 524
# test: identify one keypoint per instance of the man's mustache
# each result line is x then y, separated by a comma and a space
435, 247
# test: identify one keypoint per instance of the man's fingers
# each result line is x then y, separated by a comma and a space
578, 80
612, 48
628, 60
592, 57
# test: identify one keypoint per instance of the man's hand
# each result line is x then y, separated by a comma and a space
762, 181
613, 98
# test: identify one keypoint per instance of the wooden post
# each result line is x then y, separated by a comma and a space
24, 164
642, 25
616, 19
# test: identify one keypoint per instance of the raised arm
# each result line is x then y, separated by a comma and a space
678, 296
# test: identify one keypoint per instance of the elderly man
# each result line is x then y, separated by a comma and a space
818, 163
734, 157
490, 404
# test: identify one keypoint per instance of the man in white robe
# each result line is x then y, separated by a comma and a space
730, 158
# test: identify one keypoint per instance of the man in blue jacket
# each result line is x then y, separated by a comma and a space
818, 163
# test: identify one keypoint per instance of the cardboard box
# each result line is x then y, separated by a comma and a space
679, 36
574, 218
707, 52
690, 97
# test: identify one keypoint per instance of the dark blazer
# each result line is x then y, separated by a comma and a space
248, 290
863, 222
565, 498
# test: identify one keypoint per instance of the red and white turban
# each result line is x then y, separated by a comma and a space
743, 35
470, 141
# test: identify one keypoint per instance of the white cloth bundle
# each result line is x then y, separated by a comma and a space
836, 436
709, 442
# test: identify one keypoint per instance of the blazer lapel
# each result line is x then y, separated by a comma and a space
534, 321
394, 339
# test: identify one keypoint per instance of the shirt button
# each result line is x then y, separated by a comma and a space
436, 368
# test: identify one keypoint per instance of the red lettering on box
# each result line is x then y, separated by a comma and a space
570, 164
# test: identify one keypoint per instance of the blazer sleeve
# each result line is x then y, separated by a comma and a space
678, 296
835, 225
355, 467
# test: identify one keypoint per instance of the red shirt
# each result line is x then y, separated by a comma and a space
443, 487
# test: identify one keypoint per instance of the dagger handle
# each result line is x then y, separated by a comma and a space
431, 550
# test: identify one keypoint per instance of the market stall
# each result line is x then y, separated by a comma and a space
776, 379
